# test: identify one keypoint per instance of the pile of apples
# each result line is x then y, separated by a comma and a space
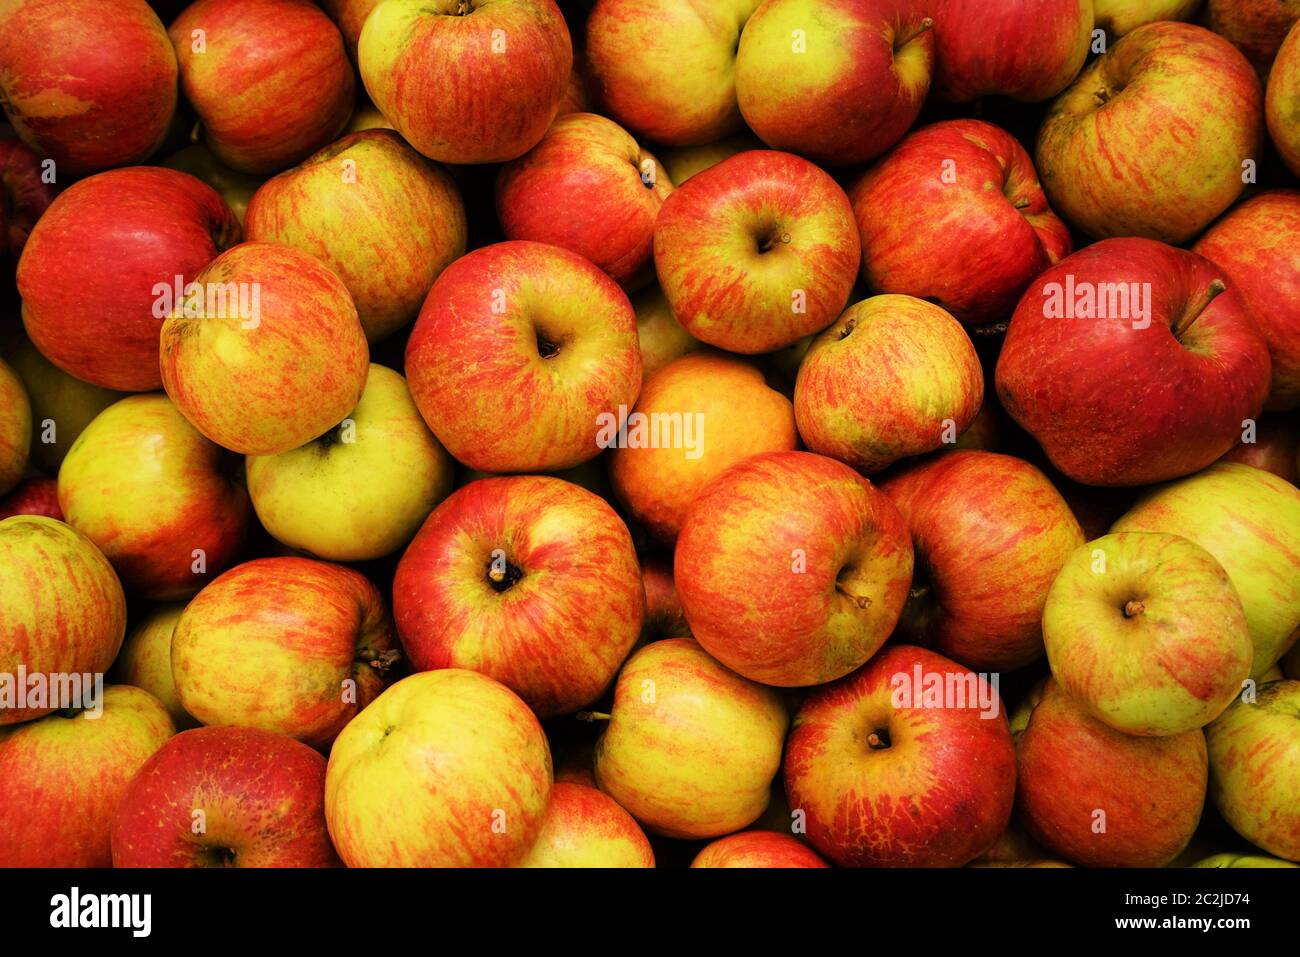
500, 433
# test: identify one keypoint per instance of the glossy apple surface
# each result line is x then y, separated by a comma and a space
584, 827
32, 496
757, 849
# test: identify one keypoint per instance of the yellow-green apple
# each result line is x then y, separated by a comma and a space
989, 217
1232, 860
235, 188
1100, 798
691, 748
1249, 520
1256, 27
660, 336
145, 660
350, 15
839, 81
446, 768
32, 496
1255, 767
1121, 17
25, 192
467, 81
664, 617
590, 188
698, 416
288, 645
15, 428
926, 385
269, 79
585, 827
167, 507
1133, 362
665, 69
1258, 245
1026, 49
265, 352
88, 83
361, 490
907, 762
62, 610
764, 849
683, 162
377, 213
757, 251
366, 116
225, 797
530, 580
123, 240
792, 568
520, 352
1282, 105
1153, 138
1146, 632
66, 773
990, 533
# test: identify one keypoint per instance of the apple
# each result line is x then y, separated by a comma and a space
447, 768
350, 15
375, 212
970, 242
265, 352
665, 69
691, 748
1274, 447
26, 191
757, 251
926, 385
1255, 768
1028, 50
225, 797
990, 534
367, 117
1242, 860
1146, 632
165, 506
1132, 362
906, 762
88, 83
145, 660
1112, 157
121, 240
757, 849
683, 162
839, 81
297, 99
1100, 798
1249, 520
530, 580
590, 188
1256, 27
520, 352
584, 827
792, 569
699, 415
1121, 17
288, 645
15, 428
32, 496
664, 617
467, 81
661, 337
1282, 105
235, 188
66, 773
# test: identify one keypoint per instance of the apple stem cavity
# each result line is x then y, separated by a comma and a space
1189, 318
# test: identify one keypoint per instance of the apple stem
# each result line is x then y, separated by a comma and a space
926, 24
920, 591
862, 601
1189, 318
384, 660
592, 716
1022, 204
1133, 608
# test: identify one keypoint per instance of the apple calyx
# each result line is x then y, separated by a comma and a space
771, 240
878, 740
1189, 318
924, 26
218, 857
503, 575
1133, 608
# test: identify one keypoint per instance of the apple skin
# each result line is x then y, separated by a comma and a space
683, 162
1154, 644
1121, 17
585, 827
664, 617
763, 849
1276, 449
990, 533
1116, 405
936, 792
1282, 105
387, 225
28, 196
757, 252
463, 778
972, 246
740, 417
847, 94
691, 748
1242, 860
66, 773
145, 660
1029, 50
260, 794
88, 83
272, 86
519, 349
271, 643
1255, 768
62, 609
660, 336
298, 368
1256, 27
110, 239
1159, 152
584, 188
1070, 766
149, 490
350, 16
924, 373
234, 187
789, 588
33, 496
1249, 520
15, 428
475, 87
555, 622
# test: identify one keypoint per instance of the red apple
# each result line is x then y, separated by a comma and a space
757, 849
1256, 27
33, 496
350, 15
586, 828
28, 195
1274, 447
1282, 106
664, 617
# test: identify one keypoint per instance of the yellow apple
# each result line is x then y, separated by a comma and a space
145, 661
585, 827
661, 336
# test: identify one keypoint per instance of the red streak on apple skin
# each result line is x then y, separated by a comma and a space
765, 849
583, 822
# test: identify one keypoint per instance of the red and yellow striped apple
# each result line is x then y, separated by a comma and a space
1256, 27
234, 187
145, 660
585, 827
33, 496
660, 336
1274, 447
1282, 105
1121, 17
757, 849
